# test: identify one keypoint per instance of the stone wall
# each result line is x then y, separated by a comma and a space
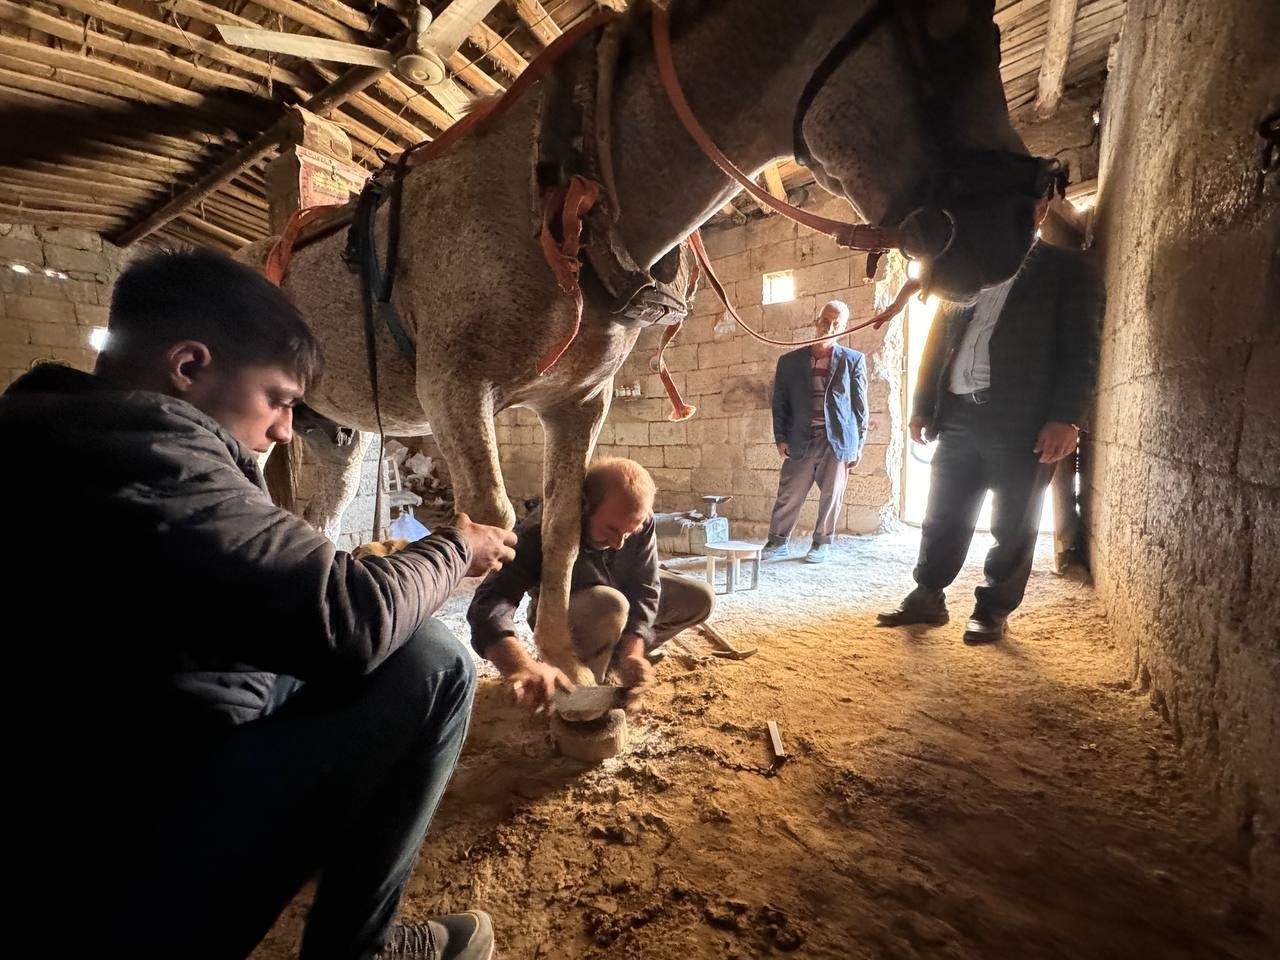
727, 447
56, 296
1182, 486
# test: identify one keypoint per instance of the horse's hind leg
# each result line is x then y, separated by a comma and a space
334, 479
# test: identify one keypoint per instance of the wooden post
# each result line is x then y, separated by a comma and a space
1057, 50
314, 168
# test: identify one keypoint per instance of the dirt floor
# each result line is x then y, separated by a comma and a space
1014, 801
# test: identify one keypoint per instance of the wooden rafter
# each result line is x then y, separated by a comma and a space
350, 83
105, 12
1057, 50
536, 18
491, 45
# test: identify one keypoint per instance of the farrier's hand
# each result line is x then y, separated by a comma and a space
636, 674
534, 683
784, 451
921, 429
491, 547
1056, 440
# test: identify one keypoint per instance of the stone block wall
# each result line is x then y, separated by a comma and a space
56, 296
1182, 485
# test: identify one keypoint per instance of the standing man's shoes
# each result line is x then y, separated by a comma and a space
914, 610
817, 553
984, 627
775, 548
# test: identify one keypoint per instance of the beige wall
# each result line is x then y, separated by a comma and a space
46, 318
1183, 484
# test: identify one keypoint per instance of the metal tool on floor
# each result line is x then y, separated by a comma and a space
722, 647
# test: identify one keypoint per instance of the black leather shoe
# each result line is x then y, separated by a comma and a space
984, 628
908, 614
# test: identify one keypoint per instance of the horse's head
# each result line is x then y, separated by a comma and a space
906, 117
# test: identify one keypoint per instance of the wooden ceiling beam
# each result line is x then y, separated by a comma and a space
534, 16
53, 217
84, 40
1057, 50
497, 50
21, 193
71, 183
342, 13
474, 77
1027, 59
105, 12
252, 227
377, 112
416, 101
55, 59
222, 235
322, 24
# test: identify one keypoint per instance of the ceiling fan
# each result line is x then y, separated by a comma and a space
422, 61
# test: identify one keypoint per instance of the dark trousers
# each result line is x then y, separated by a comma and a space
342, 780
982, 448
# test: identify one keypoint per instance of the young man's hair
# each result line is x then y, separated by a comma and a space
242, 317
617, 473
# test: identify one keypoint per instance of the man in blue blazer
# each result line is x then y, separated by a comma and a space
820, 426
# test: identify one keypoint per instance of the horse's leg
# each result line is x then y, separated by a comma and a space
462, 424
571, 430
336, 474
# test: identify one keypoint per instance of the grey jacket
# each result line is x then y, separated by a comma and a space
846, 403
184, 589
633, 570
1044, 348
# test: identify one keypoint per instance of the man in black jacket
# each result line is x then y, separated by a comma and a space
220, 704
1004, 384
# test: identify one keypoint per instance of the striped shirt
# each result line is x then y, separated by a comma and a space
821, 378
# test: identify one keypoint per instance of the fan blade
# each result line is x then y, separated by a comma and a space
312, 48
450, 28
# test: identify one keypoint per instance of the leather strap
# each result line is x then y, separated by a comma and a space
568, 205
855, 236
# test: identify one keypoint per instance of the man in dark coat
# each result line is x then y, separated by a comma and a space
1004, 385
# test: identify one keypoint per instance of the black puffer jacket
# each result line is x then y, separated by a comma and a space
163, 588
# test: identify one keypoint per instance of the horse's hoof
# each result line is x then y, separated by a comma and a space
592, 740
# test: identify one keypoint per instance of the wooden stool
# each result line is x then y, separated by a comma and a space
733, 552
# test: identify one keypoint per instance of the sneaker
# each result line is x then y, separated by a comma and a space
817, 553
453, 936
775, 548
